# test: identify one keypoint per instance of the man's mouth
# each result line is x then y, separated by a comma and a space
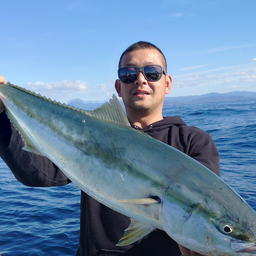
140, 93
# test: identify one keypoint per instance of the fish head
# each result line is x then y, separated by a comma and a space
209, 233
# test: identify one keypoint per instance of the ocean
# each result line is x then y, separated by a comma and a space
45, 221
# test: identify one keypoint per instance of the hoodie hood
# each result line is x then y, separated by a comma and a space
160, 130
167, 122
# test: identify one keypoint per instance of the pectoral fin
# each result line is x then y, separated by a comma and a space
134, 232
139, 201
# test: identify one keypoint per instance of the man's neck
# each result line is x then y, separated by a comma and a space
144, 121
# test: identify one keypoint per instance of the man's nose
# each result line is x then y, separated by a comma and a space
140, 78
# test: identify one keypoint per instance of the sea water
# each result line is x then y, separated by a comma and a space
45, 221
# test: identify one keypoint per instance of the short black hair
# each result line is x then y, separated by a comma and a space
142, 45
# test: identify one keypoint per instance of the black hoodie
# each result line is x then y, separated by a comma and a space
101, 227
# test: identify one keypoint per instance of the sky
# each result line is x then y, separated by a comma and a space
68, 49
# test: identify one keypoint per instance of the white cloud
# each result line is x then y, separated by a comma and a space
60, 91
103, 87
67, 85
239, 78
238, 87
225, 48
176, 15
103, 90
194, 67
254, 59
72, 89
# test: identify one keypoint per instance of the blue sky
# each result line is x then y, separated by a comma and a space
68, 49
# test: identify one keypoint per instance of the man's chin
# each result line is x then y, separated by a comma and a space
139, 106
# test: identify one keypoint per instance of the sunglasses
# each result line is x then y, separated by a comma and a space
151, 72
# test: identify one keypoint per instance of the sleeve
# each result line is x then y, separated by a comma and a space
203, 149
28, 168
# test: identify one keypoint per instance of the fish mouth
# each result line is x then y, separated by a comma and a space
245, 247
251, 249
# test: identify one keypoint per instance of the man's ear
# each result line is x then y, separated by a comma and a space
168, 84
118, 87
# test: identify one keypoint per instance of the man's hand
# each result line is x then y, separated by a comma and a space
186, 252
2, 81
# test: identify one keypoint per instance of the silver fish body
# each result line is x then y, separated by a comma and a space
134, 174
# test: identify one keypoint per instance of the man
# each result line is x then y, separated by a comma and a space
142, 84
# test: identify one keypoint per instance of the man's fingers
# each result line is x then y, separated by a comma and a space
186, 252
2, 80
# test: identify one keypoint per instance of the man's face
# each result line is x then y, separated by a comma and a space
142, 95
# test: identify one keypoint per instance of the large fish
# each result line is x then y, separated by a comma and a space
134, 174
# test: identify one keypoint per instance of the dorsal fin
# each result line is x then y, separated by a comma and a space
111, 111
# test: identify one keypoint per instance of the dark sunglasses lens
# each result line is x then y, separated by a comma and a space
128, 75
153, 73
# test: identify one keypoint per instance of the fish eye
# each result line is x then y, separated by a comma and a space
226, 228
